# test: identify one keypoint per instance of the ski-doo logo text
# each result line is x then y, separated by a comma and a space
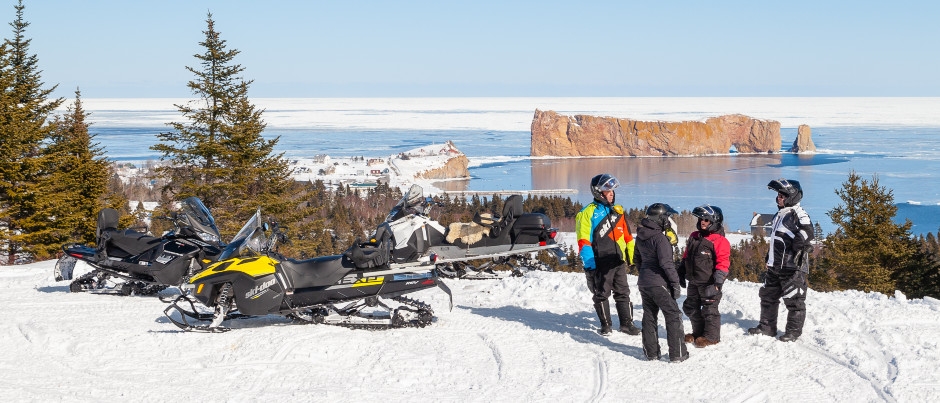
259, 290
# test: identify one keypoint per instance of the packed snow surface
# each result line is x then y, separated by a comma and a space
527, 338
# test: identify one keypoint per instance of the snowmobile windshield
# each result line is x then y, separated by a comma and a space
254, 223
197, 216
409, 200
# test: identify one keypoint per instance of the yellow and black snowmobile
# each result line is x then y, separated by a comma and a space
351, 289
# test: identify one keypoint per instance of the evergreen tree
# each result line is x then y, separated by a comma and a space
867, 247
25, 106
77, 178
219, 154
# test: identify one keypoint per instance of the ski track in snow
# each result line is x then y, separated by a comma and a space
518, 339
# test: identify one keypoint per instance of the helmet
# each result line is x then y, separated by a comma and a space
659, 213
600, 183
712, 214
789, 188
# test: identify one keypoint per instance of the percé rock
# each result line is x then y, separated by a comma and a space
583, 135
804, 141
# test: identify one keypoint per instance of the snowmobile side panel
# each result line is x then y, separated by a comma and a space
318, 271
258, 295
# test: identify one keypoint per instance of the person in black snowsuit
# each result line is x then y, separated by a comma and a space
787, 263
659, 284
705, 264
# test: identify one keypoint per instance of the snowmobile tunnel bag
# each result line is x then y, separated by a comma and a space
529, 227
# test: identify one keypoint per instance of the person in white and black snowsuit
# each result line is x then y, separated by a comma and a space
787, 263
659, 283
705, 265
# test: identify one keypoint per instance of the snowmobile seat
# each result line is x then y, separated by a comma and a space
511, 210
118, 243
315, 272
132, 242
372, 254
107, 221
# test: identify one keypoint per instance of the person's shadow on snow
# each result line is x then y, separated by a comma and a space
581, 326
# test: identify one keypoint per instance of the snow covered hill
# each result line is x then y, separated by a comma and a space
517, 339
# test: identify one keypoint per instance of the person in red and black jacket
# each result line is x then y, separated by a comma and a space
705, 265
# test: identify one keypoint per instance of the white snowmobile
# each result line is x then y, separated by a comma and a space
511, 239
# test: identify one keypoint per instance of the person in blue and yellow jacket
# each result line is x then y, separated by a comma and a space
606, 249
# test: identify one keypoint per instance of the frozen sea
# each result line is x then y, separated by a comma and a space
895, 139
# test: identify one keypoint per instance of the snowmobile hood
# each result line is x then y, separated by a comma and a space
255, 266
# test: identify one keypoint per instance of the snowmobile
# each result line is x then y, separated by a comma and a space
129, 262
508, 239
351, 289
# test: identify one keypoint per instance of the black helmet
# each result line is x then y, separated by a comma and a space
789, 188
602, 183
712, 214
659, 213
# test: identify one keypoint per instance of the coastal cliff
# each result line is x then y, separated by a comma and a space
455, 167
582, 135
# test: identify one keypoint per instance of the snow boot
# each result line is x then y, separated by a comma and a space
689, 338
603, 313
787, 337
701, 342
625, 312
759, 330
680, 358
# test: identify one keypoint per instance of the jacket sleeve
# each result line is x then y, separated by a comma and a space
582, 224
628, 238
802, 229
664, 253
722, 253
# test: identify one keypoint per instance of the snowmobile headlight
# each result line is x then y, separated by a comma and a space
205, 236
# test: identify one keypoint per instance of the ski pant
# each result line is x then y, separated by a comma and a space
703, 313
791, 286
656, 299
610, 280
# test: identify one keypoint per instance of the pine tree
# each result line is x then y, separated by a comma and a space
77, 181
867, 247
25, 107
219, 154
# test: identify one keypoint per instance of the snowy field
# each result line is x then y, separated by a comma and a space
517, 339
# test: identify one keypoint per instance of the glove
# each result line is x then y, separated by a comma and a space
711, 291
680, 270
718, 277
802, 256
675, 291
671, 235
792, 284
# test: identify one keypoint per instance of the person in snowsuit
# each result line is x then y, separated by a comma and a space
705, 265
606, 249
659, 284
787, 263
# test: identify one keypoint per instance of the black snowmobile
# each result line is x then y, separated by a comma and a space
509, 239
130, 262
251, 278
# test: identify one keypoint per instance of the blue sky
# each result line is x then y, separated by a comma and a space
112, 48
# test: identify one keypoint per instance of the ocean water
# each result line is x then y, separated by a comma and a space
896, 140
